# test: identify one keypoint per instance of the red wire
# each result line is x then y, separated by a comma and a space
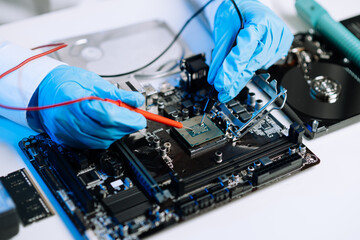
53, 105
58, 47
32, 58
48, 45
148, 115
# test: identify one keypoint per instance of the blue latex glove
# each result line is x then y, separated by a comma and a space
88, 124
264, 40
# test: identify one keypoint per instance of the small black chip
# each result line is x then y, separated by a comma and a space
232, 103
90, 177
168, 99
265, 125
244, 116
187, 104
169, 110
238, 109
127, 204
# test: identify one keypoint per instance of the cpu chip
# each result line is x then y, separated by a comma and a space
199, 134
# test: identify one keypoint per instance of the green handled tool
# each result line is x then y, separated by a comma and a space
321, 21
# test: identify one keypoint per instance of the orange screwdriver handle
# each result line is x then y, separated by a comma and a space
148, 115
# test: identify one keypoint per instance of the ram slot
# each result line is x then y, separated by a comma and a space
70, 179
144, 178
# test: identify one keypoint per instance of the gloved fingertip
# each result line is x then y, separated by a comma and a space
211, 77
128, 119
140, 99
61, 68
142, 123
224, 97
213, 71
134, 99
103, 144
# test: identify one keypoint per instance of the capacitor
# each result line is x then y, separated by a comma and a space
251, 168
236, 177
257, 164
218, 156
175, 116
128, 183
161, 106
197, 110
185, 113
251, 99
292, 150
258, 105
155, 99
163, 151
302, 149
167, 146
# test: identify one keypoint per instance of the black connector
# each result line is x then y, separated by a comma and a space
271, 170
195, 72
296, 133
211, 100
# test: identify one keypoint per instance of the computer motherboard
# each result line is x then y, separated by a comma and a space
161, 175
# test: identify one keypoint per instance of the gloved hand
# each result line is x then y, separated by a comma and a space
264, 40
88, 124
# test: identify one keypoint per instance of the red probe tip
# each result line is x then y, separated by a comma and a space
147, 115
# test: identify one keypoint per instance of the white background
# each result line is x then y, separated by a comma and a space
320, 203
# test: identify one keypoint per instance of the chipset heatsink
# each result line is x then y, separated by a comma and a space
199, 134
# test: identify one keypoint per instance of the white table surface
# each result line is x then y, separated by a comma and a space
320, 203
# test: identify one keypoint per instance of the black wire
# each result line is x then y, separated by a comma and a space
166, 49
241, 20
213, 93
